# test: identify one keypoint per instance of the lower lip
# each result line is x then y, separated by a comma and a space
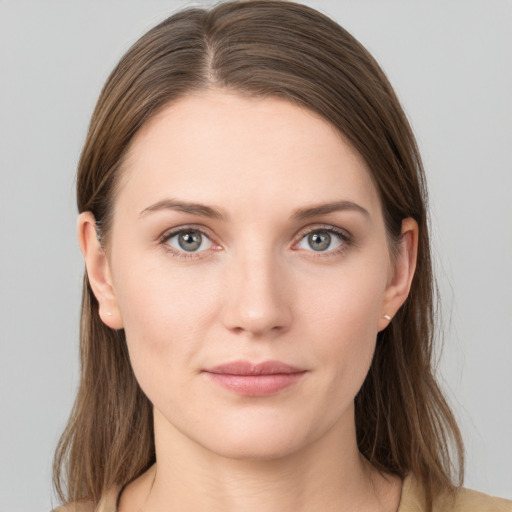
256, 385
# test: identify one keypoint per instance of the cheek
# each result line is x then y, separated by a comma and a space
165, 315
349, 301
345, 317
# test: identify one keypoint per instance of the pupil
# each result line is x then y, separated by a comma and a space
319, 241
190, 241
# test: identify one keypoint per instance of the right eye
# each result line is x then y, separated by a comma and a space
188, 240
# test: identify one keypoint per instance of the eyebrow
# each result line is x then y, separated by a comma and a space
324, 209
185, 207
215, 213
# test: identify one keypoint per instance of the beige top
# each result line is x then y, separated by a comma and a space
412, 500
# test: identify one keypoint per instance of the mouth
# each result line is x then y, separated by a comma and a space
255, 379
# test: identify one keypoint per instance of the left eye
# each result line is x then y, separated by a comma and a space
191, 240
321, 240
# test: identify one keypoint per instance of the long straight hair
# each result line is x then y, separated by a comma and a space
262, 48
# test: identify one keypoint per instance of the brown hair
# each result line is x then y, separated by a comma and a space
266, 49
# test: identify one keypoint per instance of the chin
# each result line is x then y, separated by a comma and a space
257, 449
257, 442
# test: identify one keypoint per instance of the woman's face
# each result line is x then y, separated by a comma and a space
247, 231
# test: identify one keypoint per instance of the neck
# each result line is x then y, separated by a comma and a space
329, 475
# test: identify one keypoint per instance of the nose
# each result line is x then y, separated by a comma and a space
258, 301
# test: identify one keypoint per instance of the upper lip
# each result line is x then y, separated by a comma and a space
250, 368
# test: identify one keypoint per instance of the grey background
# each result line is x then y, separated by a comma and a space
450, 62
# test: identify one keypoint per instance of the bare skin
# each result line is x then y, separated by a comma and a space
248, 229
302, 482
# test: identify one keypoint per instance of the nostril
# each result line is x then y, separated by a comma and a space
257, 304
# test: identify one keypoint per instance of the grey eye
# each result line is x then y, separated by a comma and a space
321, 240
190, 241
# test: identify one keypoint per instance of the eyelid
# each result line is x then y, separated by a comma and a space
343, 233
346, 237
172, 232
168, 233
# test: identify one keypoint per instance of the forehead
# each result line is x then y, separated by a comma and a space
219, 146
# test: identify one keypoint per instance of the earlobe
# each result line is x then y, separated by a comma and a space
98, 271
399, 285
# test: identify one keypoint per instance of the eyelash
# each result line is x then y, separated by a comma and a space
183, 254
346, 239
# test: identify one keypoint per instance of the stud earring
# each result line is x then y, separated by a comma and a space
387, 317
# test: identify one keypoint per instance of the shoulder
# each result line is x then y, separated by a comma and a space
466, 500
108, 503
463, 500
79, 506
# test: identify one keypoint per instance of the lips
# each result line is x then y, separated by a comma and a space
255, 379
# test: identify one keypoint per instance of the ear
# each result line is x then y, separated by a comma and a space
98, 271
402, 272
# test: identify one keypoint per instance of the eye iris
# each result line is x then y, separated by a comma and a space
190, 241
319, 241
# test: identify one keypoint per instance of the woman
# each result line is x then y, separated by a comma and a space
257, 311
